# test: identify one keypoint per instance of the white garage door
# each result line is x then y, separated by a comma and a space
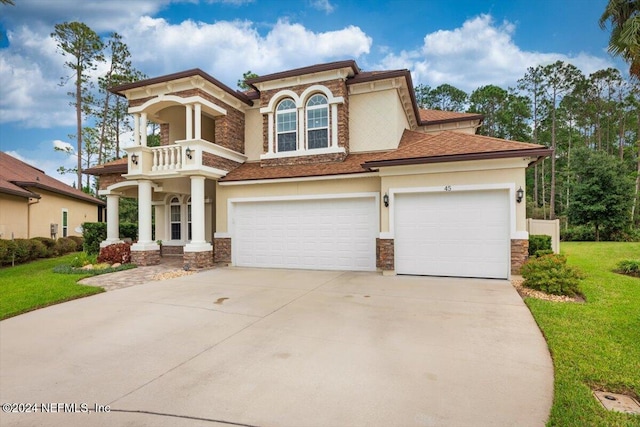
326, 234
461, 234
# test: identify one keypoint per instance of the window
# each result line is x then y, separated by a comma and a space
65, 223
189, 219
286, 122
175, 219
317, 122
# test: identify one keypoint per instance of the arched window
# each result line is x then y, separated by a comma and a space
286, 125
175, 219
317, 122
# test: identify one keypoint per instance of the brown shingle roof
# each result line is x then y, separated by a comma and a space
253, 171
417, 147
439, 116
114, 166
22, 175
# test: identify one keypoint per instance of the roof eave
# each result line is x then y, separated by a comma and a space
88, 198
350, 63
26, 194
452, 120
536, 152
106, 170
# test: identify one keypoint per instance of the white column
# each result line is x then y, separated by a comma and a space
198, 242
198, 124
270, 131
334, 125
143, 129
144, 218
189, 121
136, 129
113, 220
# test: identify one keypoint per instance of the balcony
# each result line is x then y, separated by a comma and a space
184, 158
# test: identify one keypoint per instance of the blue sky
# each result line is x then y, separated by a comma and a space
465, 43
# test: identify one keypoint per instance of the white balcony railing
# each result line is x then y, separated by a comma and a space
167, 157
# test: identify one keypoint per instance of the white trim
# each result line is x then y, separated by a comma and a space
510, 187
128, 183
301, 152
520, 235
197, 247
179, 100
300, 179
221, 235
385, 235
212, 148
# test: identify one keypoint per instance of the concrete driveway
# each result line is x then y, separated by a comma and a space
282, 348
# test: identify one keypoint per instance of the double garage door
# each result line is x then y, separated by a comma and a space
322, 234
460, 234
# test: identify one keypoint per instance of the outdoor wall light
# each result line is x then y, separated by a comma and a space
519, 195
385, 199
134, 159
188, 152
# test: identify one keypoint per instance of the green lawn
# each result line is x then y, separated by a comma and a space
595, 344
34, 285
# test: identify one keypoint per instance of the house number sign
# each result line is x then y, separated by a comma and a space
447, 188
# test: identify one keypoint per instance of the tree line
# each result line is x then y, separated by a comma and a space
582, 117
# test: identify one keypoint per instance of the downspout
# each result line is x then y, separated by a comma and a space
31, 202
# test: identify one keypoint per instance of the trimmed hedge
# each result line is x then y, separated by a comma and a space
551, 274
539, 242
19, 251
93, 233
129, 230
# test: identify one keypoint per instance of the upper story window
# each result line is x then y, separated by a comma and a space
317, 122
286, 126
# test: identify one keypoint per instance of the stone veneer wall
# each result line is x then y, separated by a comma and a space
338, 88
385, 259
143, 258
519, 254
172, 250
229, 129
202, 259
222, 249
218, 162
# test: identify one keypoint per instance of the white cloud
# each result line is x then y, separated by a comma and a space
478, 53
61, 145
323, 5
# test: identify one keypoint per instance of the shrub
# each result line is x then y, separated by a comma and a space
39, 249
50, 244
23, 250
129, 230
65, 245
119, 252
83, 259
630, 267
581, 233
551, 274
79, 241
539, 242
7, 249
93, 233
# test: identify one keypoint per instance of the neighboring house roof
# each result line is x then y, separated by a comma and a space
253, 171
16, 177
448, 146
114, 166
118, 90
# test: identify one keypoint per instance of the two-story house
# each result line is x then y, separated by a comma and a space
322, 167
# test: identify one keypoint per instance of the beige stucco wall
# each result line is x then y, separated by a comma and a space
297, 188
14, 217
176, 117
49, 211
376, 121
501, 171
253, 134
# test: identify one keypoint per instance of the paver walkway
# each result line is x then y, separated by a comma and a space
140, 275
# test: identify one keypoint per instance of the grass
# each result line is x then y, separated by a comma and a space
34, 285
596, 344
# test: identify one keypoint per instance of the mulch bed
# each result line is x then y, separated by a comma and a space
532, 293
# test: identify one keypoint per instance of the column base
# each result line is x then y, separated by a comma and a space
144, 258
203, 259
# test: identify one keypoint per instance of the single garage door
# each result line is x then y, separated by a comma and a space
461, 234
324, 234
